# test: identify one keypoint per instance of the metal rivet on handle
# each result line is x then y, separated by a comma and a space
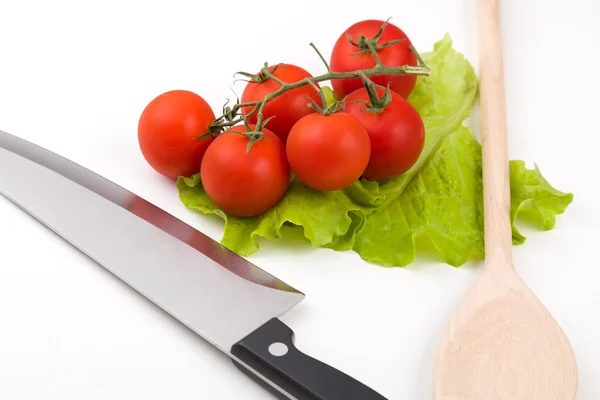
278, 349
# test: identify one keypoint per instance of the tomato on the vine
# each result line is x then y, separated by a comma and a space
287, 108
245, 183
168, 129
396, 133
344, 57
328, 152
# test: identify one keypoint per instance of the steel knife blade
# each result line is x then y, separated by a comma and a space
219, 295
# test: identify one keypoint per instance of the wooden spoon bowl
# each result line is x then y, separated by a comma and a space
501, 343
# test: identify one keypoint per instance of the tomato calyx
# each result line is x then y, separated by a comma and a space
324, 110
366, 45
229, 116
253, 135
376, 104
262, 76
371, 45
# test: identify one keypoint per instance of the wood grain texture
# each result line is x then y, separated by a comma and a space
501, 343
496, 190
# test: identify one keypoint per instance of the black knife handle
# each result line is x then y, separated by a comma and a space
302, 376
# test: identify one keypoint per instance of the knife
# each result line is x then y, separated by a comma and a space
227, 300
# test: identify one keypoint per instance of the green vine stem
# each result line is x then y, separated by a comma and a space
231, 115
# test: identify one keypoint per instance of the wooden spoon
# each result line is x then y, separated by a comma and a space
501, 343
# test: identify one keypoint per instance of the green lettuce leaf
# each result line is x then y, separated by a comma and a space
534, 200
443, 202
436, 205
323, 215
442, 206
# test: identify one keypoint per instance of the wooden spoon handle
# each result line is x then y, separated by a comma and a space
496, 185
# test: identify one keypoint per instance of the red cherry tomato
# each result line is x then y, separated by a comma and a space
397, 134
328, 152
167, 132
287, 108
245, 184
344, 59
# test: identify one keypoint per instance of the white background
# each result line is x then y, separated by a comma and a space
74, 77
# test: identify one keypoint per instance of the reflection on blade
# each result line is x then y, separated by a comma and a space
216, 293
142, 209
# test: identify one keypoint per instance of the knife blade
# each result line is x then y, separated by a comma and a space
227, 300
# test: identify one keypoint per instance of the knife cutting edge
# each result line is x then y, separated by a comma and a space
216, 293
